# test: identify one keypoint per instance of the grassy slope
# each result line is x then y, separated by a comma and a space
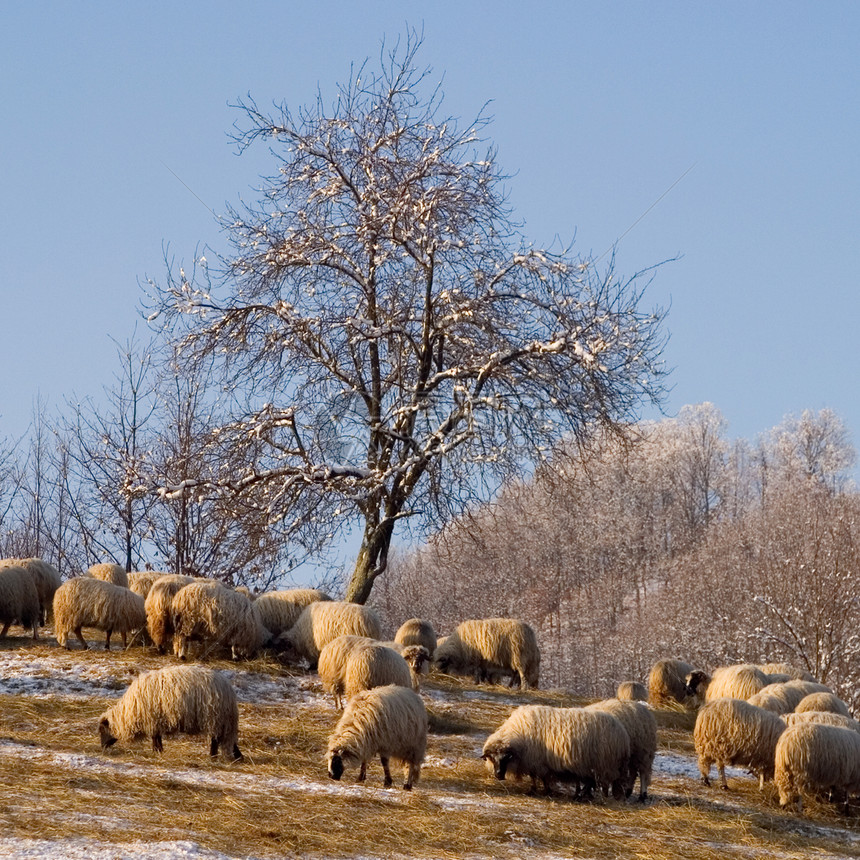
55, 783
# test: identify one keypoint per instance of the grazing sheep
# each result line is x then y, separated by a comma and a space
19, 600
641, 728
193, 700
793, 673
87, 602
159, 608
374, 665
390, 722
814, 758
732, 731
631, 691
416, 631
322, 621
112, 573
332, 664
279, 610
417, 657
210, 612
569, 744
667, 682
45, 577
141, 581
735, 682
784, 697
822, 701
827, 718
491, 645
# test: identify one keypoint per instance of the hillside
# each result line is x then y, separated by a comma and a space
61, 796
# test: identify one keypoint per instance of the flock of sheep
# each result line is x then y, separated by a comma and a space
773, 719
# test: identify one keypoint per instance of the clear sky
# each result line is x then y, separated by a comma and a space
599, 108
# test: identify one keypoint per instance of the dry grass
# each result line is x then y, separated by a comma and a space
280, 801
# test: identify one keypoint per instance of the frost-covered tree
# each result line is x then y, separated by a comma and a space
394, 345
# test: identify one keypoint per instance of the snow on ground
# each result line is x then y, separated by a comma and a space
88, 849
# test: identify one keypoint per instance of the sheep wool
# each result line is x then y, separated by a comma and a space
332, 664
19, 600
822, 701
141, 581
739, 681
814, 758
631, 691
793, 673
46, 578
416, 631
214, 614
827, 718
390, 722
279, 610
87, 602
192, 700
373, 665
734, 732
159, 608
572, 744
667, 683
486, 647
113, 573
322, 621
641, 728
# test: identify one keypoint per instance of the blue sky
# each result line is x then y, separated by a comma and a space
599, 107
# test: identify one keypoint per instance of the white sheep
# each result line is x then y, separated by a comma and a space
113, 573
159, 608
88, 602
631, 691
585, 746
279, 610
390, 722
332, 664
828, 718
417, 631
416, 656
822, 701
322, 621
193, 700
784, 697
46, 578
739, 681
667, 682
785, 669
488, 646
814, 758
641, 728
372, 665
19, 600
733, 732
141, 581
217, 615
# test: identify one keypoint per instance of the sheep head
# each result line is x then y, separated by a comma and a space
105, 736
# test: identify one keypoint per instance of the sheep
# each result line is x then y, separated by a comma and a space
667, 682
45, 577
19, 600
193, 700
374, 665
569, 744
243, 589
279, 610
631, 691
416, 631
211, 612
828, 718
332, 663
732, 731
113, 573
141, 581
390, 722
488, 645
793, 673
736, 682
159, 608
784, 697
87, 602
641, 728
814, 758
822, 701
417, 658
322, 621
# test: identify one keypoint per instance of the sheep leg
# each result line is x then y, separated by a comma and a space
384, 761
107, 639
723, 784
36, 630
157, 744
5, 628
124, 641
237, 754
362, 773
213, 747
80, 639
705, 770
412, 771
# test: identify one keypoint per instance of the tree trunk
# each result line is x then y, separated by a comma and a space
371, 562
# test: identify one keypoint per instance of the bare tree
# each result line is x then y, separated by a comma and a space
395, 346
